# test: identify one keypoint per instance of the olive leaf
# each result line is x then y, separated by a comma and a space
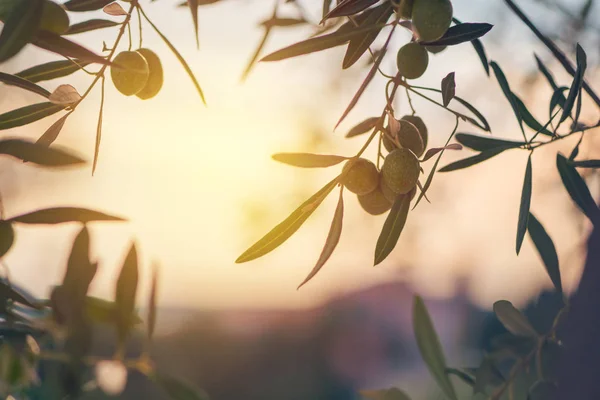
545, 247
288, 227
546, 72
349, 7
261, 45
577, 83
363, 127
333, 238
17, 294
485, 143
114, 9
486, 375
13, 80
586, 163
99, 127
59, 215
28, 114
7, 237
52, 133
125, 292
282, 22
558, 99
60, 45
448, 89
193, 6
577, 188
525, 204
90, 25
65, 95
513, 320
463, 375
52, 70
80, 270
178, 389
86, 5
529, 119
359, 45
430, 347
392, 228
20, 26
461, 33
38, 153
476, 159
152, 302
307, 160
479, 49
507, 92
435, 150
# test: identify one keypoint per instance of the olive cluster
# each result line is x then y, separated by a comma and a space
137, 73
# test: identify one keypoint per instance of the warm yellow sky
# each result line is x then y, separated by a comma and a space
186, 176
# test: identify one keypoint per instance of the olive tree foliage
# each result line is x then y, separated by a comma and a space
59, 330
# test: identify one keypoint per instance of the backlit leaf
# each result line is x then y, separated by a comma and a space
59, 215
152, 302
345, 8
283, 22
125, 293
525, 204
86, 5
38, 153
333, 237
65, 95
20, 26
193, 6
513, 320
448, 89
359, 45
114, 9
430, 347
392, 228
52, 133
545, 247
307, 160
577, 188
51, 70
288, 227
461, 33
58, 44
90, 25
14, 80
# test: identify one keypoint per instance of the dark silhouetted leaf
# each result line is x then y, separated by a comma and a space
359, 45
430, 347
333, 237
319, 43
363, 127
525, 204
288, 227
507, 92
59, 215
577, 83
52, 133
461, 33
545, 247
20, 26
392, 228
546, 72
484, 124
80, 270
90, 25
38, 154
484, 143
28, 114
125, 293
513, 320
448, 89
51, 70
86, 5
529, 119
349, 7
476, 159
178, 389
577, 188
58, 44
478, 46
435, 150
586, 163
17, 294
307, 160
179, 57
7, 237
283, 22
152, 302
23, 84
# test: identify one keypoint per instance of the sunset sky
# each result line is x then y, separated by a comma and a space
199, 186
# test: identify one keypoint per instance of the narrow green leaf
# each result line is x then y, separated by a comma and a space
80, 270
59, 215
359, 45
346, 8
430, 347
525, 204
28, 114
448, 89
307, 160
20, 26
38, 153
51, 70
58, 44
125, 292
52, 133
152, 303
326, 8
529, 119
577, 83
586, 163
90, 25
283, 22
513, 320
288, 227
480, 50
476, 159
178, 389
179, 57
484, 124
558, 99
319, 43
435, 150
577, 188
546, 72
333, 237
545, 247
86, 5
193, 6
461, 33
485, 143
507, 91
363, 127
99, 128
13, 80
392, 228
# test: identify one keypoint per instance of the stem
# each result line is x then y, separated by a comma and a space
129, 36
140, 25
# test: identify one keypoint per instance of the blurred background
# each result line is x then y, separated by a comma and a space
198, 186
